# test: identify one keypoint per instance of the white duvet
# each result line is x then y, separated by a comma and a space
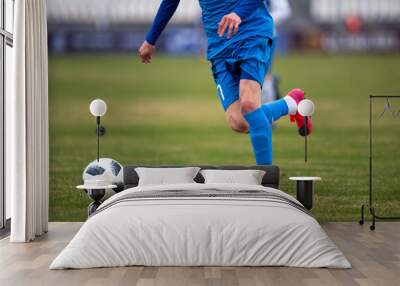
200, 231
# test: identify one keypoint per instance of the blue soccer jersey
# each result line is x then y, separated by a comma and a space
256, 21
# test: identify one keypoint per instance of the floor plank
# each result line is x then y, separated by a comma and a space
375, 257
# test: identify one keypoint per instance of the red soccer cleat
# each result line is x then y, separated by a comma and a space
298, 95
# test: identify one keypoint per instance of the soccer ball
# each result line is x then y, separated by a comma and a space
108, 170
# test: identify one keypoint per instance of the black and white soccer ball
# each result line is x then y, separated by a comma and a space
108, 170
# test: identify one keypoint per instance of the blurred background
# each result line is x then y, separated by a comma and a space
168, 112
331, 26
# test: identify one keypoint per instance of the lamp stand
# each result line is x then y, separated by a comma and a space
98, 137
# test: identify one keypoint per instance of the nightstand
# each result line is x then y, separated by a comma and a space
304, 190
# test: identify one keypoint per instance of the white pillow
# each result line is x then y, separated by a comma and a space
247, 177
166, 176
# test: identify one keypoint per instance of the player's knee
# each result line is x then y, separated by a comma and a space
249, 100
249, 96
248, 104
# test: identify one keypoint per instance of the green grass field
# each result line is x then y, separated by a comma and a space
168, 113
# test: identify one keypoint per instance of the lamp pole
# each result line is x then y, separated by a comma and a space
306, 109
98, 137
305, 138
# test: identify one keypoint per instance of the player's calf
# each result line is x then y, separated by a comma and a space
259, 125
238, 126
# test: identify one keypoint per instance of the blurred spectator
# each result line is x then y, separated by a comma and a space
280, 11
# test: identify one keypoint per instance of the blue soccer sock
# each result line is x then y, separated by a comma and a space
275, 109
260, 135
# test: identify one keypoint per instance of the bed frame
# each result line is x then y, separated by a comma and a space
270, 179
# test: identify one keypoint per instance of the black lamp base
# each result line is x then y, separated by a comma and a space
305, 193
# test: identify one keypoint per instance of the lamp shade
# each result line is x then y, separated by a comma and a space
98, 107
306, 107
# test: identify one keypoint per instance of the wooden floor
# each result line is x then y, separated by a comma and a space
375, 257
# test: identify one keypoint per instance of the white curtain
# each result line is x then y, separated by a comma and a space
27, 124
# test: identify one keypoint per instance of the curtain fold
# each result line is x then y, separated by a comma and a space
27, 144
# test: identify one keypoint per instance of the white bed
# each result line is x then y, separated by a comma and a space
225, 225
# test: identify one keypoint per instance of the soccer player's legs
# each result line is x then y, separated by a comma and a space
244, 114
227, 82
255, 68
259, 126
235, 117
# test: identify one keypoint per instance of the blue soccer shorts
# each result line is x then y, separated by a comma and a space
247, 59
